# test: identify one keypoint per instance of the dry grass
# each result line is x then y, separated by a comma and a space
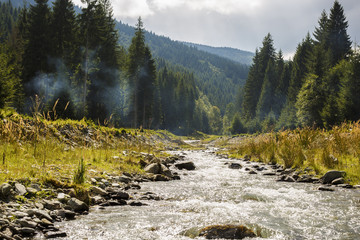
338, 148
39, 149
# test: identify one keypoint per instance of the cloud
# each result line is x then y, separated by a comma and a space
234, 23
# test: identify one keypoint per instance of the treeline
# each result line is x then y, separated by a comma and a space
61, 64
319, 87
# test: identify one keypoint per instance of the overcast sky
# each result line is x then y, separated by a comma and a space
239, 24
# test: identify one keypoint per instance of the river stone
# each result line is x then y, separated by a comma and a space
98, 191
77, 205
338, 181
5, 191
55, 235
331, 176
39, 213
154, 168
326, 189
186, 165
28, 224
27, 231
20, 189
6, 234
120, 195
165, 171
227, 232
235, 166
52, 204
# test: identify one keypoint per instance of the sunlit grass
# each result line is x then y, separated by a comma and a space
36, 149
318, 149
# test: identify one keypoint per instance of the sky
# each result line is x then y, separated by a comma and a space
239, 24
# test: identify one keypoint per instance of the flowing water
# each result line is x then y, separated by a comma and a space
216, 194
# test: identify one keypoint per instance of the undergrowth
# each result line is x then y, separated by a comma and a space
317, 149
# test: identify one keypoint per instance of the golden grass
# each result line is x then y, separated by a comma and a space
318, 149
36, 149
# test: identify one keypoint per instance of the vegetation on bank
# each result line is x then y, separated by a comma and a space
316, 149
40, 150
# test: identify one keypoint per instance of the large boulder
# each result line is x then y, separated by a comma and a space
331, 176
6, 191
154, 168
20, 189
98, 191
185, 165
226, 232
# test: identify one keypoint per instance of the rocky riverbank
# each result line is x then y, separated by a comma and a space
28, 209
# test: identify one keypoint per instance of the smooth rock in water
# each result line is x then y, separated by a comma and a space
27, 231
66, 214
269, 173
77, 205
120, 195
331, 176
226, 232
326, 189
55, 234
165, 171
235, 166
186, 165
252, 172
20, 189
159, 177
154, 168
46, 223
123, 179
98, 191
338, 181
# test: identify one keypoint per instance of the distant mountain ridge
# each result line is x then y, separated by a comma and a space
237, 55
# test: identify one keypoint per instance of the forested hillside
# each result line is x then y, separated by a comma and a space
318, 88
234, 54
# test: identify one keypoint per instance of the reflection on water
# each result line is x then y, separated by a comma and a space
215, 194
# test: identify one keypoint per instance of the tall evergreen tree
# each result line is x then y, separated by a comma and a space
37, 49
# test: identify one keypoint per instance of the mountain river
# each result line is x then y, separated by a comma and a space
215, 194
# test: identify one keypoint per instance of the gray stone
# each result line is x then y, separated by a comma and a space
235, 166
77, 205
252, 172
98, 191
52, 204
123, 179
31, 191
39, 213
28, 224
62, 197
226, 232
55, 235
27, 231
120, 195
326, 189
269, 173
154, 168
6, 235
20, 189
6, 191
46, 223
185, 165
165, 171
331, 176
338, 181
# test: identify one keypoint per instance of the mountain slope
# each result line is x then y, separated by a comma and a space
237, 55
218, 77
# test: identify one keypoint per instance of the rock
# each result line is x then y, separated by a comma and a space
247, 157
46, 223
123, 179
226, 232
269, 173
252, 172
305, 179
55, 235
159, 177
154, 168
28, 224
6, 192
39, 213
66, 214
120, 195
327, 189
338, 181
186, 165
52, 204
5, 236
137, 204
331, 176
62, 197
98, 191
31, 191
20, 189
77, 205
27, 231
165, 171
235, 166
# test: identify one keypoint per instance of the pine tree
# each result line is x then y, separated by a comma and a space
37, 49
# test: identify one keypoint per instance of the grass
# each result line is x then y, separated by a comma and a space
36, 149
317, 149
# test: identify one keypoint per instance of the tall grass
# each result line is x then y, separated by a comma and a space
321, 150
37, 148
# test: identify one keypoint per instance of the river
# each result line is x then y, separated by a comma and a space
216, 194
